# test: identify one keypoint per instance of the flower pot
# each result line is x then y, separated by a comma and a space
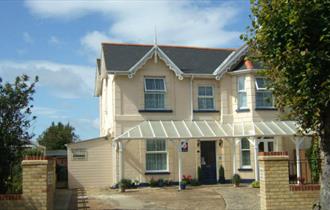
182, 186
122, 189
236, 185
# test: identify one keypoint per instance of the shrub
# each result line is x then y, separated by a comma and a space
236, 180
222, 178
161, 183
194, 182
255, 184
33, 152
153, 183
125, 184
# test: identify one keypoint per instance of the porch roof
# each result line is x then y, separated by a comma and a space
207, 130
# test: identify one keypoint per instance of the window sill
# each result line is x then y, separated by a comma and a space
157, 173
206, 111
156, 110
242, 110
245, 169
266, 109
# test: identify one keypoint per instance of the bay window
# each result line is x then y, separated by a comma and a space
241, 93
264, 96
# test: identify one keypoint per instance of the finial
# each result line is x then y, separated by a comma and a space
155, 39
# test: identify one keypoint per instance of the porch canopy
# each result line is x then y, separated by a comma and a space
207, 130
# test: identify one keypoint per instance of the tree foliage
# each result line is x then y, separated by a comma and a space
57, 135
15, 121
292, 40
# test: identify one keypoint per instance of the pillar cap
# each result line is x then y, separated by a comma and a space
34, 162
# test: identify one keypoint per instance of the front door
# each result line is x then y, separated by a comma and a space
208, 162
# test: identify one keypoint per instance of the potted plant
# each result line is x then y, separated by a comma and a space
183, 184
222, 178
124, 184
236, 180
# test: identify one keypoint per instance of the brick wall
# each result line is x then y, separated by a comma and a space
275, 191
38, 187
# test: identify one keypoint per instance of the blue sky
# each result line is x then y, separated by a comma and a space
60, 40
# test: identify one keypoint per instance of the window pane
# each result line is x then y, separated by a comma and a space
245, 144
156, 145
155, 84
261, 147
154, 100
241, 83
156, 161
242, 101
205, 103
261, 82
264, 99
205, 91
246, 158
270, 146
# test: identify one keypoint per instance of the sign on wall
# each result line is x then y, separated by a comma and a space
184, 146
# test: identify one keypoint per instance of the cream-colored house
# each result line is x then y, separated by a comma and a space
156, 100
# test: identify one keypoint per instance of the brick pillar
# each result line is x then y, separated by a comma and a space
35, 181
274, 179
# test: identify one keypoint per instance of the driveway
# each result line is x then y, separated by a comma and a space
221, 197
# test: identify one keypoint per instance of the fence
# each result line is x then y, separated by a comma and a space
310, 171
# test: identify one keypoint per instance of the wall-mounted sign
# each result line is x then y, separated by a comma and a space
184, 146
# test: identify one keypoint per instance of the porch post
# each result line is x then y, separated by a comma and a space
121, 161
235, 141
256, 165
180, 164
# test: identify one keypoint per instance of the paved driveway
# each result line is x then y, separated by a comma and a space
221, 197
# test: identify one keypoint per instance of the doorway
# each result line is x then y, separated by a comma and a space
208, 163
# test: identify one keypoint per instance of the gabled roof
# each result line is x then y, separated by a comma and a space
189, 60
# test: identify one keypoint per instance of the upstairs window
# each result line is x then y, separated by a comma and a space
156, 155
241, 93
205, 98
264, 96
154, 93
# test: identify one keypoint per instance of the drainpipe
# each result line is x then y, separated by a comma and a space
191, 99
121, 161
256, 165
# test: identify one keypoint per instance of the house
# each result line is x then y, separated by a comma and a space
169, 111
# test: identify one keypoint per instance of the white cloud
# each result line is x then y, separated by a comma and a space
27, 38
54, 40
62, 80
195, 23
91, 43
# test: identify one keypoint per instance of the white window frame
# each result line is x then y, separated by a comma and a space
262, 89
146, 91
80, 150
265, 140
198, 96
241, 91
157, 152
249, 150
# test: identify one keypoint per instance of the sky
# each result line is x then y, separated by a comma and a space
60, 40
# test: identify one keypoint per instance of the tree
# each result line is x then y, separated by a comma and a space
15, 120
291, 39
57, 135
